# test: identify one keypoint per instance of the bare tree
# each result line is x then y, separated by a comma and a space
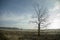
42, 16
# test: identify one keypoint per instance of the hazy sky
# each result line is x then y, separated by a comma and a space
17, 13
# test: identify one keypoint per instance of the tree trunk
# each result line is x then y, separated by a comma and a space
39, 29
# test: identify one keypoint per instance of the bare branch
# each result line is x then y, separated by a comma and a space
41, 13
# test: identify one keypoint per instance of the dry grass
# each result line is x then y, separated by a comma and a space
25, 35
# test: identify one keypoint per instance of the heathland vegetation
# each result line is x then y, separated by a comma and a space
29, 35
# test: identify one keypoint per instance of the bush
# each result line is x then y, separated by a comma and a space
2, 36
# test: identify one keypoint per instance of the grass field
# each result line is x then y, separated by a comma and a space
28, 35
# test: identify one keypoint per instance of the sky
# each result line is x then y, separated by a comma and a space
18, 13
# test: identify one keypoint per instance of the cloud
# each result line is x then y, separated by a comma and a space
13, 20
23, 14
13, 17
55, 16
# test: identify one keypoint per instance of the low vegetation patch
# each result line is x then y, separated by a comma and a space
25, 35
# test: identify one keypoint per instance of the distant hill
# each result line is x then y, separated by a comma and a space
31, 30
8, 28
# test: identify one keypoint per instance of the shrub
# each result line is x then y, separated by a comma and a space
2, 36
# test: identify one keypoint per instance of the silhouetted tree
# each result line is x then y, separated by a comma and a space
42, 16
